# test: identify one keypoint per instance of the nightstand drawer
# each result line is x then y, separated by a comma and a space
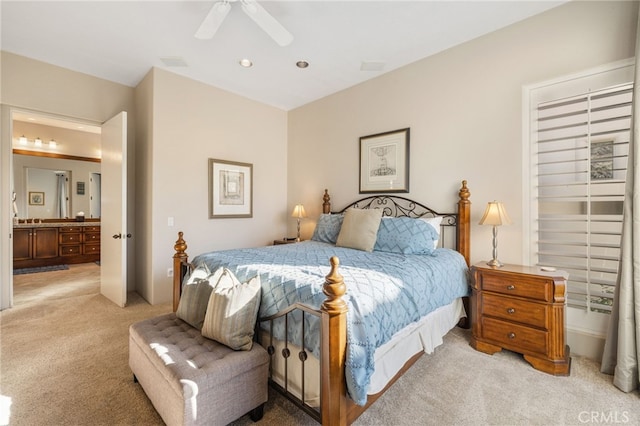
521, 286
513, 336
511, 309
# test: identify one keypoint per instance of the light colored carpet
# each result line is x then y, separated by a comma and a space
64, 361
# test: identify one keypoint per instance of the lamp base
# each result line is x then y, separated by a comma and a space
495, 263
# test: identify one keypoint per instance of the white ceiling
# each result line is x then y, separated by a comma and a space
121, 40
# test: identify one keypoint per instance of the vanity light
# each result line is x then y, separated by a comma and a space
52, 144
38, 142
23, 140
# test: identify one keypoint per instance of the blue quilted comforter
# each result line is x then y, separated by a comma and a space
385, 292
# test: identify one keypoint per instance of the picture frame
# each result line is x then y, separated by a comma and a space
384, 162
230, 189
36, 198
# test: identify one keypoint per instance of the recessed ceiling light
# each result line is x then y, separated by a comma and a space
246, 63
302, 64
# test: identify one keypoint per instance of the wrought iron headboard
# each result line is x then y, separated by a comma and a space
396, 206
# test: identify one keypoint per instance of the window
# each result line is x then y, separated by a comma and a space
577, 158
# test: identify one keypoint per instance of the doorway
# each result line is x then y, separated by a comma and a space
52, 160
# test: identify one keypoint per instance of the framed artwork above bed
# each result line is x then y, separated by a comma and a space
384, 162
230, 189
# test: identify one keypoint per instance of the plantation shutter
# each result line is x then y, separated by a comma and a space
580, 150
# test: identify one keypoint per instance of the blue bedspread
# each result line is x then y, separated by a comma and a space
385, 292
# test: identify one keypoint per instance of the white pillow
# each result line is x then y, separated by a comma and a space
435, 222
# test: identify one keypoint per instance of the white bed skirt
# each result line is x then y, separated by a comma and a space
424, 335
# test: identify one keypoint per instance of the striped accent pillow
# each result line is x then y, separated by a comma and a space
194, 299
232, 311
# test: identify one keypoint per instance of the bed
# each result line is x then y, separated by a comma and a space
342, 324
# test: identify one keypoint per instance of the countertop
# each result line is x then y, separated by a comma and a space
55, 224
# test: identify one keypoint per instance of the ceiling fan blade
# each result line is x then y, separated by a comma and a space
213, 20
267, 22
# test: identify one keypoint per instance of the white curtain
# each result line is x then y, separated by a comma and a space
621, 354
62, 195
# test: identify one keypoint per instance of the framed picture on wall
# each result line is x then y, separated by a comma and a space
36, 198
384, 162
230, 189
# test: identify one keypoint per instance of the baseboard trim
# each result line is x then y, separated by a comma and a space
586, 344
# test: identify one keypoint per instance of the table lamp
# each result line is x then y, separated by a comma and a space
495, 215
298, 213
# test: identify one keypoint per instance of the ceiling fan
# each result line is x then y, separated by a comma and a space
268, 23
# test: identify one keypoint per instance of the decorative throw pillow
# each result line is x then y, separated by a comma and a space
406, 236
328, 228
232, 311
194, 299
359, 229
435, 222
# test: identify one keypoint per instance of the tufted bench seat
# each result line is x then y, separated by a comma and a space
192, 380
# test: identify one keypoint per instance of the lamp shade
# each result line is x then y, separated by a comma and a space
495, 215
298, 211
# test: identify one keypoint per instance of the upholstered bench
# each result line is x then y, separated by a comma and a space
192, 380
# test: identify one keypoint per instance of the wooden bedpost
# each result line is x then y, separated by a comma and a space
179, 258
463, 233
326, 205
334, 346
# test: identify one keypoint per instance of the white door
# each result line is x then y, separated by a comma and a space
113, 220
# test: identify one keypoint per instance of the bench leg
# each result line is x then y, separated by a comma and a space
257, 413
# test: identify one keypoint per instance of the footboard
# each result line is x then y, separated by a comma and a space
333, 315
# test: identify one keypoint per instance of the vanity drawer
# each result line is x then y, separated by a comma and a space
69, 238
92, 248
91, 237
74, 229
513, 336
512, 309
92, 229
69, 250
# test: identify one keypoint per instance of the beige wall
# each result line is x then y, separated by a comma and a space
144, 195
464, 108
36, 86
190, 123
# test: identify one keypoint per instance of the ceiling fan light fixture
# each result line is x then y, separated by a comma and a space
246, 63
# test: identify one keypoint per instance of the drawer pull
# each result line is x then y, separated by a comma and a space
511, 335
511, 287
511, 311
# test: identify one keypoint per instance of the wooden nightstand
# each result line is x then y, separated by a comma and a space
521, 309
283, 241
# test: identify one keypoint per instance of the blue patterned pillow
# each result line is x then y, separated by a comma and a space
406, 236
328, 228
